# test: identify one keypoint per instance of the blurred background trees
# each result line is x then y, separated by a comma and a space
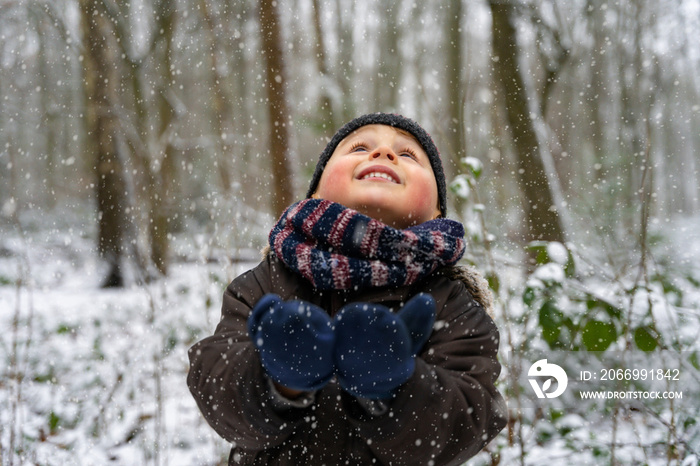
170, 134
164, 114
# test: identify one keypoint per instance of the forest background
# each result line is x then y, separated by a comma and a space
147, 146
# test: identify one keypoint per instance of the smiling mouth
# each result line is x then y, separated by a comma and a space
379, 175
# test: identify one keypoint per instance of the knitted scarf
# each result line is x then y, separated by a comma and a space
335, 247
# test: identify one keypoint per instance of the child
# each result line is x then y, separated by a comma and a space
357, 340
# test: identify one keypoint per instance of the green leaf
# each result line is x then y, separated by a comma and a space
64, 329
594, 303
569, 323
494, 282
171, 342
54, 421
529, 296
550, 316
543, 256
644, 339
460, 186
474, 165
694, 360
614, 312
598, 335
551, 320
570, 266
540, 248
555, 414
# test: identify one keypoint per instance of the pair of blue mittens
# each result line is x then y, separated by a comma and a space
370, 349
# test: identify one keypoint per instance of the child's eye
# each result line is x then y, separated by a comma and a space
408, 152
358, 146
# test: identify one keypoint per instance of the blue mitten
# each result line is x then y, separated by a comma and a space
295, 340
375, 348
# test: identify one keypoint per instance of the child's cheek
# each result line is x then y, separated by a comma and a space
423, 205
423, 199
421, 196
333, 185
332, 178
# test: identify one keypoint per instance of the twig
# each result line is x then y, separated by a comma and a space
18, 369
157, 378
97, 420
672, 431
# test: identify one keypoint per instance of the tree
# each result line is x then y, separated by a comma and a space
278, 113
220, 103
387, 77
541, 217
327, 121
161, 178
456, 92
101, 81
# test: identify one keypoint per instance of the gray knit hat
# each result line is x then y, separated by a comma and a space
396, 121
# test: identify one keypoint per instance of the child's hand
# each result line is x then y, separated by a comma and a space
295, 340
375, 349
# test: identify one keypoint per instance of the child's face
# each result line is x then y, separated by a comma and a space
383, 173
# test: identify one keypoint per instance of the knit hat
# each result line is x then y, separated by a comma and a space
396, 121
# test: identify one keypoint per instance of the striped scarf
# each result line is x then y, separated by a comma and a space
335, 247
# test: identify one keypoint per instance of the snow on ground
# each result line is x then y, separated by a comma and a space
102, 371
94, 377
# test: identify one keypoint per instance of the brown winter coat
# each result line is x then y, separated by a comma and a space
444, 414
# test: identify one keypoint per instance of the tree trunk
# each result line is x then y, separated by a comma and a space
633, 101
101, 81
50, 145
137, 142
278, 113
222, 109
162, 177
598, 94
346, 72
325, 112
541, 217
387, 74
455, 94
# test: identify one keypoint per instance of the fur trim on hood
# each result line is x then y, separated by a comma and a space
476, 284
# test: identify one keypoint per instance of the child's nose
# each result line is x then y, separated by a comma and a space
384, 151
